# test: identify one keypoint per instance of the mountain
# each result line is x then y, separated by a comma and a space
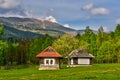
81, 31
10, 32
31, 26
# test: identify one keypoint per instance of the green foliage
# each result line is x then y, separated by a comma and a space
65, 44
88, 33
117, 30
3, 48
104, 46
107, 52
1, 29
37, 46
47, 42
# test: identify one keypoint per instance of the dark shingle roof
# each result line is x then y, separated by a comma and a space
80, 53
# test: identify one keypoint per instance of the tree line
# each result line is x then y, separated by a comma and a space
104, 46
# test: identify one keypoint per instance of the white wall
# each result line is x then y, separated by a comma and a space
49, 61
84, 61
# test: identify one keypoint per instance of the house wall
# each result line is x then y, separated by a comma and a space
57, 60
84, 61
75, 61
49, 67
41, 60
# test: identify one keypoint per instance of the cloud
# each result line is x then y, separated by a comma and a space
66, 25
118, 21
99, 11
13, 8
7, 4
51, 19
93, 10
106, 29
87, 6
10, 14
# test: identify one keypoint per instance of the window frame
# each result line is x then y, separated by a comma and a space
47, 61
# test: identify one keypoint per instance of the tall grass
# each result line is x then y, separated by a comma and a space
95, 72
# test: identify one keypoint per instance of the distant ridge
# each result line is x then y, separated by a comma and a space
32, 28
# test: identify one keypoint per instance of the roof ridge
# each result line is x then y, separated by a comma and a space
80, 53
54, 52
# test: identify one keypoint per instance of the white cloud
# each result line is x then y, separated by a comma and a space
93, 10
29, 13
118, 21
51, 19
66, 25
10, 14
7, 4
13, 8
87, 6
101, 11
105, 28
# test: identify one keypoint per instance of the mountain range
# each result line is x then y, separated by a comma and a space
32, 28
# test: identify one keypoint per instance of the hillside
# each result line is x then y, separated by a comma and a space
36, 26
24, 27
12, 32
31, 23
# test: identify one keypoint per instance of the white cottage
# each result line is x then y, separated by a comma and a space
79, 57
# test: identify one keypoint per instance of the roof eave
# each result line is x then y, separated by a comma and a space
48, 57
79, 57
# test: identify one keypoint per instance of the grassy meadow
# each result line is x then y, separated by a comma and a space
94, 72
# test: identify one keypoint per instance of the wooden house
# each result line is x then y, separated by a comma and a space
49, 59
79, 57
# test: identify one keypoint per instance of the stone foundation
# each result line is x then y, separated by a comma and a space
77, 65
48, 68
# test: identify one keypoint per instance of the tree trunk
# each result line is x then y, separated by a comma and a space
68, 61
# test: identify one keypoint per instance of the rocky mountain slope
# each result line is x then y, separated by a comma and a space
35, 26
32, 28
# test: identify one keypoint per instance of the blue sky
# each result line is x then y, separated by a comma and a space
76, 14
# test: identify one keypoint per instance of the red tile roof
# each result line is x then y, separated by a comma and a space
49, 52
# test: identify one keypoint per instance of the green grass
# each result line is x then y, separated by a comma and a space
95, 72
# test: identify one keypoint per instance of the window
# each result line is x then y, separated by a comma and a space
49, 61
49, 50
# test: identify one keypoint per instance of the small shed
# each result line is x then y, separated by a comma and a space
79, 57
49, 59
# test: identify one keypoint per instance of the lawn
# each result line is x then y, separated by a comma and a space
94, 72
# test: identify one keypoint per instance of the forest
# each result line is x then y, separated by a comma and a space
104, 46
